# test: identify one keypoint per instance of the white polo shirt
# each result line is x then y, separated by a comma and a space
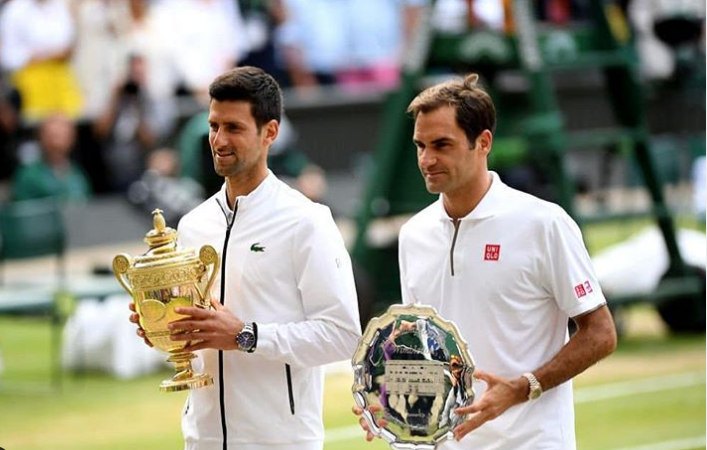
510, 274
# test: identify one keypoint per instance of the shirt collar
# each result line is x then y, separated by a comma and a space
244, 201
491, 203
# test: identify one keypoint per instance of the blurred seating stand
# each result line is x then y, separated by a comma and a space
34, 280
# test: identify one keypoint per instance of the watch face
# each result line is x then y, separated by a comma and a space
246, 339
535, 393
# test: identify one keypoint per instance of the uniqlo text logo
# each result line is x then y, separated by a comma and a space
579, 291
492, 252
583, 289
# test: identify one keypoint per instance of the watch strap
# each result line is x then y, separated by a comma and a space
255, 335
535, 388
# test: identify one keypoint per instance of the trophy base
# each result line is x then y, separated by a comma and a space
194, 382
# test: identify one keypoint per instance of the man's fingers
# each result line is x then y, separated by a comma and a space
363, 423
483, 376
140, 332
192, 336
194, 312
187, 325
197, 345
469, 409
478, 405
135, 318
216, 304
470, 425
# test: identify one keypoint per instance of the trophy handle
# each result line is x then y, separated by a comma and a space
121, 264
208, 255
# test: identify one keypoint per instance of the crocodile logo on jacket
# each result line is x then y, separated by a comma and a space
257, 248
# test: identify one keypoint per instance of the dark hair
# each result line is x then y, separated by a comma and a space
474, 108
254, 86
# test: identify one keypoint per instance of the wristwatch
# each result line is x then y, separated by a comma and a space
536, 388
247, 339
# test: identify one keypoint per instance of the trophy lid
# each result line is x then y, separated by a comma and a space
165, 264
163, 246
161, 238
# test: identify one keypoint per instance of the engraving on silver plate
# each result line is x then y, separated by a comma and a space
416, 368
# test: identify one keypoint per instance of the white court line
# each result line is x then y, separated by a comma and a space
641, 386
592, 394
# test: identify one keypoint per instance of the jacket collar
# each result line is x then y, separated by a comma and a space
491, 203
244, 202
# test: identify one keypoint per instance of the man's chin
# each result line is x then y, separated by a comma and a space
433, 188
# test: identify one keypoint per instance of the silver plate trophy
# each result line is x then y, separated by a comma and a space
416, 368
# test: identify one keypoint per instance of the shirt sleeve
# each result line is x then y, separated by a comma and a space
569, 273
324, 276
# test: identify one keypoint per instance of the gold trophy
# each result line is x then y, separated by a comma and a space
160, 280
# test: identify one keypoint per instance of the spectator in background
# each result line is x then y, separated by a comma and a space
261, 18
312, 41
378, 33
203, 39
37, 40
97, 59
54, 174
133, 124
140, 32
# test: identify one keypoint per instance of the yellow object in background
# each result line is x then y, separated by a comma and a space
48, 87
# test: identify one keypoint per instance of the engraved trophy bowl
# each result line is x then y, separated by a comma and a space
161, 279
416, 368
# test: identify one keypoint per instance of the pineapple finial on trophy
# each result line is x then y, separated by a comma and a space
158, 220
161, 238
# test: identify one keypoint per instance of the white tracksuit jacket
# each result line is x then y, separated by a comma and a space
284, 267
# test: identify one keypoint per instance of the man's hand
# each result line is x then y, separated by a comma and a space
135, 318
361, 421
206, 328
501, 394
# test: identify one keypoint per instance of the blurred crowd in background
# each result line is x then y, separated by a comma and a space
126, 80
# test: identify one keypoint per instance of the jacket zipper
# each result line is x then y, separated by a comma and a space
454, 242
288, 372
221, 389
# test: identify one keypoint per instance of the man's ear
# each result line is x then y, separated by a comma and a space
483, 142
270, 132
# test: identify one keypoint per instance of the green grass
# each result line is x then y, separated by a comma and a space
94, 411
598, 236
641, 419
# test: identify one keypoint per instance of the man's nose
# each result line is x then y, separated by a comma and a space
217, 139
426, 159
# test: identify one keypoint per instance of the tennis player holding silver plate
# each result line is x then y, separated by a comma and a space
415, 368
